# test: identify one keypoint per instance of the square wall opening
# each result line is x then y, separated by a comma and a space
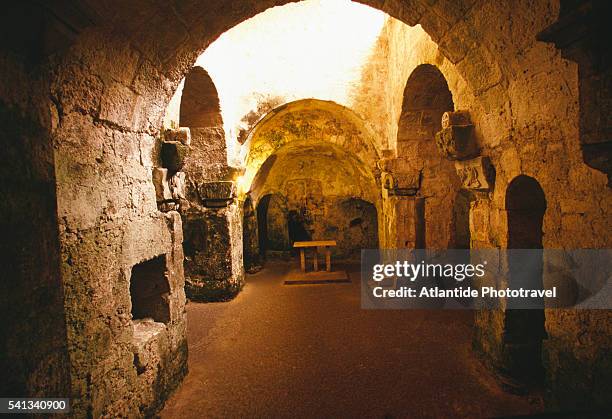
149, 289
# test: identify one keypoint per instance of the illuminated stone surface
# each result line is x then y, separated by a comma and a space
82, 108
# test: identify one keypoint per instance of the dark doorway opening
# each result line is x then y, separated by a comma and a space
524, 329
250, 240
272, 223
461, 219
296, 223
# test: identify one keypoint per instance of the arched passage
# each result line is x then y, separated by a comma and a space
272, 222
202, 189
426, 98
525, 206
524, 328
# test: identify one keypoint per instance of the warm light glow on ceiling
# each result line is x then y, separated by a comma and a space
309, 49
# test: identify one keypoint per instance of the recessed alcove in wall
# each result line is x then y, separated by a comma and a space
524, 329
149, 290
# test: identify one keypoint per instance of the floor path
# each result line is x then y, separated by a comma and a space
311, 351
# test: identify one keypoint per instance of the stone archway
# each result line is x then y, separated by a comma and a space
303, 120
425, 181
198, 182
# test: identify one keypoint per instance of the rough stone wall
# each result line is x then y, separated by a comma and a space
578, 33
109, 106
33, 348
539, 138
523, 99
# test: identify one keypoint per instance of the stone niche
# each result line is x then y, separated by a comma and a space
149, 290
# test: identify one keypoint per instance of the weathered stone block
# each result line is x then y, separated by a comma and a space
117, 105
213, 266
181, 135
173, 155
407, 183
167, 206
177, 185
162, 187
457, 142
477, 174
217, 194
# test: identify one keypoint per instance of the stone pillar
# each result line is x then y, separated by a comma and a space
214, 270
404, 206
410, 215
212, 220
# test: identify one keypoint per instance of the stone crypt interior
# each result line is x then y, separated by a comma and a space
163, 157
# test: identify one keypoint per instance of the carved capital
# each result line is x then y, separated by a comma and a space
217, 194
181, 135
457, 142
477, 174
456, 139
402, 184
